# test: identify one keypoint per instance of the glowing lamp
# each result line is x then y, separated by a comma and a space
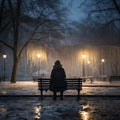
88, 62
38, 55
84, 56
4, 56
103, 60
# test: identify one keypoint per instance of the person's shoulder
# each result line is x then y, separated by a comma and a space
62, 68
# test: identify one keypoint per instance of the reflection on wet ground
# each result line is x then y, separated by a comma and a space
32, 108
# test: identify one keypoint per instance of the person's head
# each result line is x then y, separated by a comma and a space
57, 64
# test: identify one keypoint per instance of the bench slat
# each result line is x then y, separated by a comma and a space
72, 84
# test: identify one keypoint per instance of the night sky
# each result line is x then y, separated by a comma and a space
75, 13
92, 30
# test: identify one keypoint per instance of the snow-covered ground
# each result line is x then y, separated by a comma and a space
33, 108
31, 88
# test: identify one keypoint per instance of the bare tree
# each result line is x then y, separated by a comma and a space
105, 12
26, 21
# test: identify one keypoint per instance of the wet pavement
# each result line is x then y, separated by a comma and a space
33, 108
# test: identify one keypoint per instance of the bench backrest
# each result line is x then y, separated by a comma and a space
114, 77
72, 83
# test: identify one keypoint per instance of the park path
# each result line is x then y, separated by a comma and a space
31, 88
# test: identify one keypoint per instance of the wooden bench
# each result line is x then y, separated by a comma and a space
72, 84
102, 77
114, 78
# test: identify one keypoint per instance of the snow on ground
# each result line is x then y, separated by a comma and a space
31, 88
33, 108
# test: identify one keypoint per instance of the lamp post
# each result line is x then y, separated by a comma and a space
39, 56
88, 62
4, 58
103, 60
83, 67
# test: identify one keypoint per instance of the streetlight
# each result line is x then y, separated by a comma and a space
103, 60
88, 62
83, 56
4, 57
39, 56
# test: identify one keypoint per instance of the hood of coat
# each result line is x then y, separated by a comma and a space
57, 66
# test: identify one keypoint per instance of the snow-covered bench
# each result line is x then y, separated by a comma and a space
72, 84
114, 78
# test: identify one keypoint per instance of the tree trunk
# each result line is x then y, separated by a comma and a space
15, 20
14, 69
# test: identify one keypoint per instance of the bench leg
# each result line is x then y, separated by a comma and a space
84, 80
78, 96
110, 81
41, 94
91, 80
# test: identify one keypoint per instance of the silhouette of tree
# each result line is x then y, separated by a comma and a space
106, 12
25, 21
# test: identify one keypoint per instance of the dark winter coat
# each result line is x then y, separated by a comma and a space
57, 81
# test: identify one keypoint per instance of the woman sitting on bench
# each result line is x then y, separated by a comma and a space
57, 81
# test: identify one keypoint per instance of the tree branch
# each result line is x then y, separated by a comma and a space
3, 27
117, 19
116, 5
44, 19
26, 45
12, 14
103, 10
6, 44
1, 11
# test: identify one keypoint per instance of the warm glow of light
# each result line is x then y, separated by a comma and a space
88, 62
37, 112
4, 56
38, 55
84, 56
102, 60
84, 115
34, 54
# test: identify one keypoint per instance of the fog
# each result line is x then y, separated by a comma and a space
71, 59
